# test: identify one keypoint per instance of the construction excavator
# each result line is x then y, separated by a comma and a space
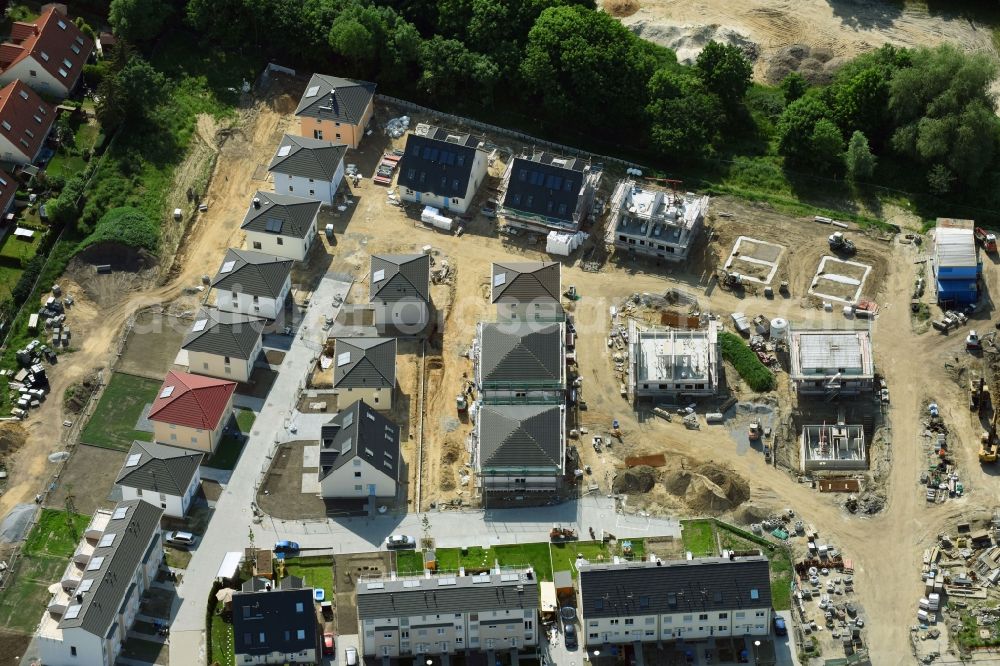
988, 442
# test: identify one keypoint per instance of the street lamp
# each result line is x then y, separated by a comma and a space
756, 656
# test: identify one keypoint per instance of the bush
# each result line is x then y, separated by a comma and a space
753, 372
127, 226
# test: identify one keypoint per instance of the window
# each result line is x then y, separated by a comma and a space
72, 650
614, 621
357, 475
440, 631
317, 134
173, 437
32, 72
338, 135
291, 189
723, 616
281, 241
256, 245
629, 620
759, 614
593, 635
226, 359
262, 638
358, 488
299, 607
300, 634
194, 440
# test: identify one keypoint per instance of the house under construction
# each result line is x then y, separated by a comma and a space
833, 447
656, 222
831, 363
671, 362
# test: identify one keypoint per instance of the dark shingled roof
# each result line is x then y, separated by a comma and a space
370, 363
526, 282
520, 352
520, 436
308, 158
337, 99
403, 276
683, 586
439, 162
541, 185
274, 614
224, 334
281, 214
253, 273
138, 524
359, 431
447, 594
159, 468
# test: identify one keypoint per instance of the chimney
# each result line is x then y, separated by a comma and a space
79, 597
256, 202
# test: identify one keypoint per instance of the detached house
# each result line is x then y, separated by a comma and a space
223, 344
275, 625
161, 475
546, 193
308, 168
95, 604
25, 121
441, 169
654, 222
400, 292
519, 449
521, 363
336, 109
366, 370
192, 411
281, 224
527, 291
252, 283
359, 454
48, 54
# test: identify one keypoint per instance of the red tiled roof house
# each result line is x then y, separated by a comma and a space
48, 54
191, 411
8, 188
25, 121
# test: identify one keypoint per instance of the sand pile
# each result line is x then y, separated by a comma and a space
12, 437
708, 487
687, 41
817, 65
639, 479
749, 514
621, 8
285, 103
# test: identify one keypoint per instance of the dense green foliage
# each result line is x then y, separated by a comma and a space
859, 159
138, 20
754, 373
126, 226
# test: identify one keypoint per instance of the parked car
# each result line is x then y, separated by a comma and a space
181, 539
329, 648
400, 541
779, 626
289, 547
570, 635
351, 656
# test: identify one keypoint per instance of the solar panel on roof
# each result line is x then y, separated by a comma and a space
450, 580
375, 586
313, 91
508, 578
73, 612
199, 325
273, 224
134, 459
284, 150
228, 267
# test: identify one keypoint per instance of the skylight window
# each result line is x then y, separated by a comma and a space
227, 267
45, 56
134, 459
61, 24
3, 181
199, 325
343, 359
313, 91
371, 416
37, 120
73, 612
79, 40
370, 452
754, 593
106, 541
75, 48
41, 110
284, 150
23, 94
63, 73
67, 64
119, 513
6, 125
499, 279
95, 563
29, 133
348, 420
378, 276
273, 224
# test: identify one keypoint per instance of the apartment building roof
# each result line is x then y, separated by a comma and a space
405, 597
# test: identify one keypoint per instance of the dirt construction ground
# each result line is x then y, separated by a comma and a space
810, 36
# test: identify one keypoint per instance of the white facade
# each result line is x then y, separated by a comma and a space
310, 188
10, 152
673, 626
223, 367
256, 306
448, 205
355, 480
35, 77
175, 506
288, 247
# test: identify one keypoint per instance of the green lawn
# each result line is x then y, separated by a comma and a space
316, 571
228, 452
21, 249
409, 562
699, 537
222, 642
8, 278
564, 554
56, 533
113, 424
534, 554
65, 165
176, 557
733, 538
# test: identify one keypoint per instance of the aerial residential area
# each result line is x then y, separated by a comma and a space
437, 333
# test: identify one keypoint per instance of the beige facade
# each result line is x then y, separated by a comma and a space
186, 437
223, 367
329, 130
674, 626
379, 398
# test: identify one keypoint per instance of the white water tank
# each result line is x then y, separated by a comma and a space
779, 328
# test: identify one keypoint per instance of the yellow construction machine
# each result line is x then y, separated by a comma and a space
988, 442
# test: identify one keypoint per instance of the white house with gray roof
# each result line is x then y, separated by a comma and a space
527, 290
665, 601
161, 475
365, 369
521, 362
281, 224
400, 293
223, 344
359, 454
441, 168
493, 613
308, 168
519, 449
252, 283
88, 618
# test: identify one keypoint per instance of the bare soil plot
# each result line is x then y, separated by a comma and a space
153, 343
347, 570
88, 478
839, 280
281, 493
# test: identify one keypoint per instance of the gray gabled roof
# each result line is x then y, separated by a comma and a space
520, 352
526, 282
546, 185
682, 586
520, 436
359, 432
253, 273
403, 276
159, 468
224, 334
439, 162
365, 363
334, 98
308, 158
276, 615
406, 597
281, 214
139, 521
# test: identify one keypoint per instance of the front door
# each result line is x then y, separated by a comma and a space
417, 197
371, 490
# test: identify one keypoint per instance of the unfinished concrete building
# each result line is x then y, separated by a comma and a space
831, 363
655, 222
833, 447
671, 363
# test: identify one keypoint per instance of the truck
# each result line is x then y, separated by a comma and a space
986, 239
840, 243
